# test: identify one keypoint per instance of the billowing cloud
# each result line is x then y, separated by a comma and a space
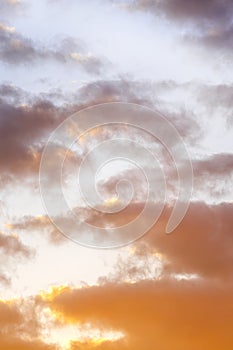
164, 291
201, 243
27, 121
161, 314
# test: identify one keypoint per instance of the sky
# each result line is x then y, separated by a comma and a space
116, 126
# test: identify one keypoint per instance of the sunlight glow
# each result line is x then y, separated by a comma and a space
111, 201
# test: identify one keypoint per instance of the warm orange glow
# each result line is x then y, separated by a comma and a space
52, 292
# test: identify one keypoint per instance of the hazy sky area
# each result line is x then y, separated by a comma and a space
162, 291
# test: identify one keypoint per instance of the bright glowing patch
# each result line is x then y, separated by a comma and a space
111, 201
65, 335
52, 292
7, 28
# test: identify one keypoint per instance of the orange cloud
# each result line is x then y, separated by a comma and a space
201, 244
161, 314
19, 326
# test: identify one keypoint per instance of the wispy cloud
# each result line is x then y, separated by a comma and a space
18, 49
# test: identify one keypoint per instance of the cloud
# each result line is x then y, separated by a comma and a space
202, 12
158, 314
19, 327
98, 345
4, 280
217, 165
215, 97
212, 177
217, 38
12, 251
147, 94
207, 23
118, 90
40, 224
11, 245
28, 323
22, 129
11, 92
27, 120
11, 343
201, 243
9, 314
9, 7
16, 49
